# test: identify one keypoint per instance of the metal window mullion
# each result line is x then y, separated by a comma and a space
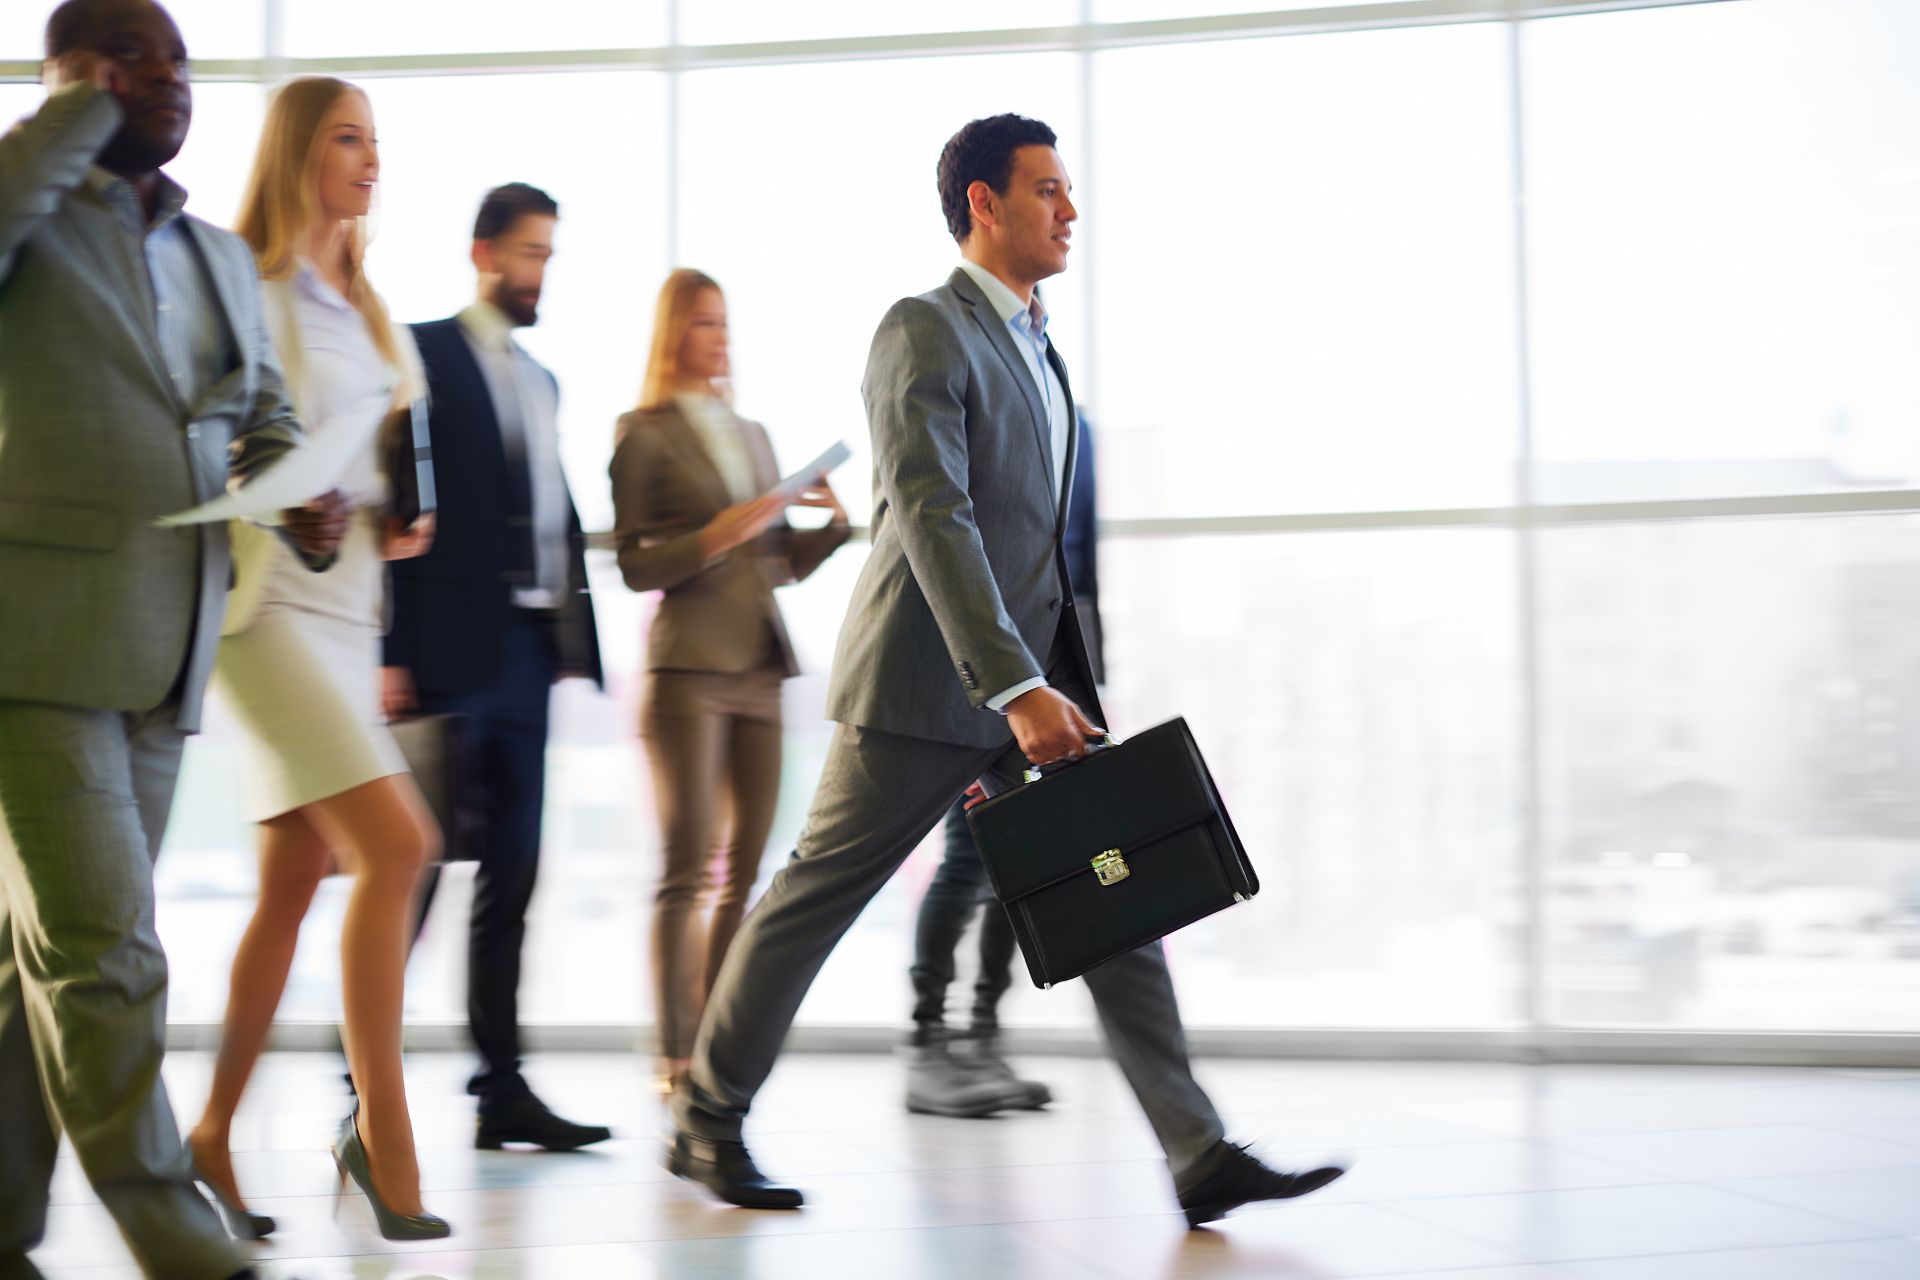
672, 126
274, 61
1528, 610
1084, 35
1089, 356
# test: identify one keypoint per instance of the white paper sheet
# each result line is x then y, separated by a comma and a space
304, 472
809, 476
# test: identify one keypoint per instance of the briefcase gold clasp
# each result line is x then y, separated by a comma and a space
1111, 867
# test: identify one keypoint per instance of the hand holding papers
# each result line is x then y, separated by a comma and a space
304, 472
814, 473
743, 522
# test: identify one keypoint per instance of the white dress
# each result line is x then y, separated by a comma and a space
302, 677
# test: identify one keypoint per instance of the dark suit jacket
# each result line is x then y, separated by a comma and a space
714, 617
452, 606
966, 586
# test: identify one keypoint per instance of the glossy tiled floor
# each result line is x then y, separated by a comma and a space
1467, 1171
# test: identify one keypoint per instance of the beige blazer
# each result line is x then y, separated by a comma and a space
715, 616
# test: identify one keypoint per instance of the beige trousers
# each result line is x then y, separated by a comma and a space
713, 744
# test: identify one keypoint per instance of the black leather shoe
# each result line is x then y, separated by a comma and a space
526, 1119
1235, 1177
726, 1169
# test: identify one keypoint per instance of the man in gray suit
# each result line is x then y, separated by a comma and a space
136, 377
960, 658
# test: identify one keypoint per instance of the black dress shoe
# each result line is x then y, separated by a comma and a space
1234, 1177
526, 1119
726, 1169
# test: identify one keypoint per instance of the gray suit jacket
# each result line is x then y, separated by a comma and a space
102, 609
714, 617
965, 589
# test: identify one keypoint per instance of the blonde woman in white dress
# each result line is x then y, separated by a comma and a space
300, 665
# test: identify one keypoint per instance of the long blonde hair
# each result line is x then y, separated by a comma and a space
672, 319
281, 203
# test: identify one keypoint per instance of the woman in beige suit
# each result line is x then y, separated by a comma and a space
687, 478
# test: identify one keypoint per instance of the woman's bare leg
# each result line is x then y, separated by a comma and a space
386, 836
293, 861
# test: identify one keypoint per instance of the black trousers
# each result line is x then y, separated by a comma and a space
958, 890
505, 742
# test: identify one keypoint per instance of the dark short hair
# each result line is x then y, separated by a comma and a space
506, 205
983, 152
69, 25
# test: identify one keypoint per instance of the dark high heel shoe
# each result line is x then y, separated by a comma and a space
242, 1224
350, 1158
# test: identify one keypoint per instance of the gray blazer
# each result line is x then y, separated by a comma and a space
713, 617
965, 589
101, 608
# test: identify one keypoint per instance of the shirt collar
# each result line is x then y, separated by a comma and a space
698, 407
111, 186
487, 325
307, 280
1030, 317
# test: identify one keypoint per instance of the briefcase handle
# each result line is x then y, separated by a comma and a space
1035, 772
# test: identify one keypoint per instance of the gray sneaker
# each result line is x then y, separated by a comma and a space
982, 1051
941, 1083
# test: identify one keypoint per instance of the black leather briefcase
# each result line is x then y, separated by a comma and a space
1105, 855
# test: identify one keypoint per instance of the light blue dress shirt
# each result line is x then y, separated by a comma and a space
527, 407
195, 340
1028, 324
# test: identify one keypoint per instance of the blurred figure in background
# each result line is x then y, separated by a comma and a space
135, 379
695, 521
301, 663
491, 617
954, 1074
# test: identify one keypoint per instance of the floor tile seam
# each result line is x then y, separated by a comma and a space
1833, 1127
1650, 1180
1874, 1233
1749, 1122
1731, 1187
650, 1246
1660, 1178
1667, 1132
1557, 1144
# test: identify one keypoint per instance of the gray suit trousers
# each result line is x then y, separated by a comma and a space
880, 794
84, 796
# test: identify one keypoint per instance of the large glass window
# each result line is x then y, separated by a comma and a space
1724, 221
749, 20
368, 28
1303, 258
1733, 714
212, 28
1294, 300
817, 217
1354, 695
18, 100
